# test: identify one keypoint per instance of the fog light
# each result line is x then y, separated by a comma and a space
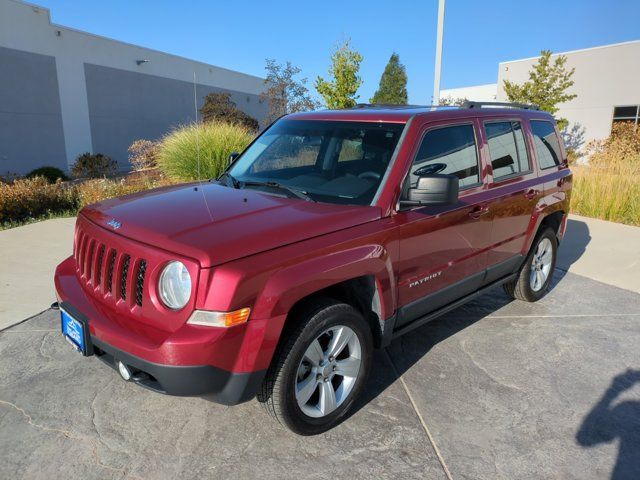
125, 373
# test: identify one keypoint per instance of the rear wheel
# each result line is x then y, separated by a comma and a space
534, 277
321, 370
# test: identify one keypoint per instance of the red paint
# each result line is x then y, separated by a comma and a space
244, 248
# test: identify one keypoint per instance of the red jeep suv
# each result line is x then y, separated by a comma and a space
333, 233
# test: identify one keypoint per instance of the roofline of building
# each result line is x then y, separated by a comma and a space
492, 84
574, 51
102, 37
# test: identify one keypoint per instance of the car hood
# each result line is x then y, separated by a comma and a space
215, 224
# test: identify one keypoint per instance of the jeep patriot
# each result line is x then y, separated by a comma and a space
333, 233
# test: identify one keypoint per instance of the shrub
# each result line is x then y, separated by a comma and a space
30, 198
97, 190
200, 150
609, 187
93, 166
143, 154
50, 173
218, 107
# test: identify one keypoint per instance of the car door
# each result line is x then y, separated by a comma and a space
442, 249
514, 193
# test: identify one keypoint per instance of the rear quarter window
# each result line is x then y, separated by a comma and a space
547, 144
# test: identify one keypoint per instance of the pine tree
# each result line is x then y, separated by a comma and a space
393, 84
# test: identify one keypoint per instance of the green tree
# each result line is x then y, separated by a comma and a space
547, 85
393, 83
340, 90
284, 93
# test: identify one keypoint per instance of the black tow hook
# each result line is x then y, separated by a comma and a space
55, 306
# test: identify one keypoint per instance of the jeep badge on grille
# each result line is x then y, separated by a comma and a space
113, 223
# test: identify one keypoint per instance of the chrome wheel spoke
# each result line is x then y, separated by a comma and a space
305, 389
348, 367
533, 279
327, 402
541, 264
314, 353
320, 369
341, 338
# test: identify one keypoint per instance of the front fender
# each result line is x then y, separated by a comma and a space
293, 283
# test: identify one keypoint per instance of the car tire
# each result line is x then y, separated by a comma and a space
307, 388
535, 274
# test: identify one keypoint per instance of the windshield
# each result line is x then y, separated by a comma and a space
335, 162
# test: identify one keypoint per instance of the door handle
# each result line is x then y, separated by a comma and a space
531, 193
478, 211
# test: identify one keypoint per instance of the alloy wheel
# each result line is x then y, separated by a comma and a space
328, 371
541, 265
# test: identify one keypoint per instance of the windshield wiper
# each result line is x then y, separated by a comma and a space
234, 181
298, 193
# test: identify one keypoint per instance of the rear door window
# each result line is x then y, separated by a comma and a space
450, 150
547, 144
507, 148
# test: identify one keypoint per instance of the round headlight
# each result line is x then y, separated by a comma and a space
175, 285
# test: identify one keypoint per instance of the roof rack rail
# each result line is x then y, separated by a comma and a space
386, 105
525, 106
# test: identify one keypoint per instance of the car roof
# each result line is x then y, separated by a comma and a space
402, 114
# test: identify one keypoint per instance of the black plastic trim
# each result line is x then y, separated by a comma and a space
447, 308
503, 268
422, 306
221, 386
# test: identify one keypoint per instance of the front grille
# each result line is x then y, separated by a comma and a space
123, 278
111, 268
112, 264
98, 274
142, 269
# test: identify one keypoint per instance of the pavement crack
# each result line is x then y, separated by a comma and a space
435, 448
44, 338
70, 435
485, 371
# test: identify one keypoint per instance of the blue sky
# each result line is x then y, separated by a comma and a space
241, 34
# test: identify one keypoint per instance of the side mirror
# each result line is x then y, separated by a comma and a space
232, 157
438, 189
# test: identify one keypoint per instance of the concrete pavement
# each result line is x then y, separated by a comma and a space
604, 251
27, 262
497, 389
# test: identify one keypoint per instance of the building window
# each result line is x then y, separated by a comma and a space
629, 114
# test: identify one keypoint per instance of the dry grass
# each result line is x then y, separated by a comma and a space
609, 187
26, 199
93, 191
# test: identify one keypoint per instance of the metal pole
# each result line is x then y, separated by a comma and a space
438, 66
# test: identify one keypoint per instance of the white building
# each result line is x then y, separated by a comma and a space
606, 82
64, 92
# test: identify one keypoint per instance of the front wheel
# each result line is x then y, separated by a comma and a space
534, 277
321, 368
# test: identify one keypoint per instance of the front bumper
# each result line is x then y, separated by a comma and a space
214, 363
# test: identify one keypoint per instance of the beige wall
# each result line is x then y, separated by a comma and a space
605, 77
